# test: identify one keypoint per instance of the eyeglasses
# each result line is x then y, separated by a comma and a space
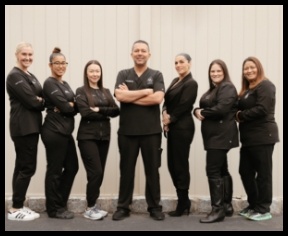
58, 63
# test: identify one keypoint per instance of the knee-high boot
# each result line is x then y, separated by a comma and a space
228, 192
183, 205
216, 194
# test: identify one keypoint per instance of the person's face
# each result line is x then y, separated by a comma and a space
140, 54
25, 57
250, 70
58, 66
182, 65
216, 74
93, 74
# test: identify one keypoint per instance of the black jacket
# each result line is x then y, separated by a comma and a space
59, 95
257, 106
95, 125
219, 128
26, 110
179, 101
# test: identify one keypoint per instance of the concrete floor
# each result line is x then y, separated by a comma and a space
143, 222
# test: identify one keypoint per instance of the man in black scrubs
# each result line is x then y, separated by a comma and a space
140, 90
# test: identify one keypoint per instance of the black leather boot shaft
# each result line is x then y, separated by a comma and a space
228, 193
216, 188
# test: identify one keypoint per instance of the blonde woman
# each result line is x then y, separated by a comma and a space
27, 104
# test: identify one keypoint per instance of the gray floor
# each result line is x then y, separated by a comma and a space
142, 222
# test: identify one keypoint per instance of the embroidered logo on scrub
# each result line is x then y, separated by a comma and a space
150, 82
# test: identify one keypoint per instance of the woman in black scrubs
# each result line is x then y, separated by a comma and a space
62, 160
27, 104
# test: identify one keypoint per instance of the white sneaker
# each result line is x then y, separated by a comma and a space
29, 211
20, 215
93, 214
102, 212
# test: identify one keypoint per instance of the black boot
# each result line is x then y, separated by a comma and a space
216, 194
228, 192
183, 205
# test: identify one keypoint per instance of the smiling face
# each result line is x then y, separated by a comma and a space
182, 66
250, 71
216, 73
24, 57
93, 75
140, 54
58, 66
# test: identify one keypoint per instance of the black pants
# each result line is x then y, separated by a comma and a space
62, 167
94, 156
256, 173
178, 149
216, 163
25, 166
150, 146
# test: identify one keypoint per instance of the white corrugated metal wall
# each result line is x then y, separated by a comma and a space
106, 33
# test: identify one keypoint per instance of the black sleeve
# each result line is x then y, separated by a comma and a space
20, 89
57, 98
265, 99
111, 111
226, 98
84, 108
187, 100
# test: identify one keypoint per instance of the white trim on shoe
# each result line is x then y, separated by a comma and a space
93, 214
31, 212
20, 215
102, 212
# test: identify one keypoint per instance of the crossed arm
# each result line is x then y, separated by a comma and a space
143, 97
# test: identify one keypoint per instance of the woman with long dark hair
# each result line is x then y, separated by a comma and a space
220, 133
96, 105
258, 135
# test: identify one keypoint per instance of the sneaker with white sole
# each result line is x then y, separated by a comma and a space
256, 216
93, 214
246, 212
20, 215
29, 211
102, 212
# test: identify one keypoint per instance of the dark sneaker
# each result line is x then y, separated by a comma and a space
120, 214
157, 215
64, 214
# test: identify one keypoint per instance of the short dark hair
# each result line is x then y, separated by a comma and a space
141, 41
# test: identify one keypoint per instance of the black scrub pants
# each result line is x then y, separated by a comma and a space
94, 156
256, 173
25, 166
62, 167
216, 163
150, 147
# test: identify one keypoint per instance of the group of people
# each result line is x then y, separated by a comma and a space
140, 91
28, 99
